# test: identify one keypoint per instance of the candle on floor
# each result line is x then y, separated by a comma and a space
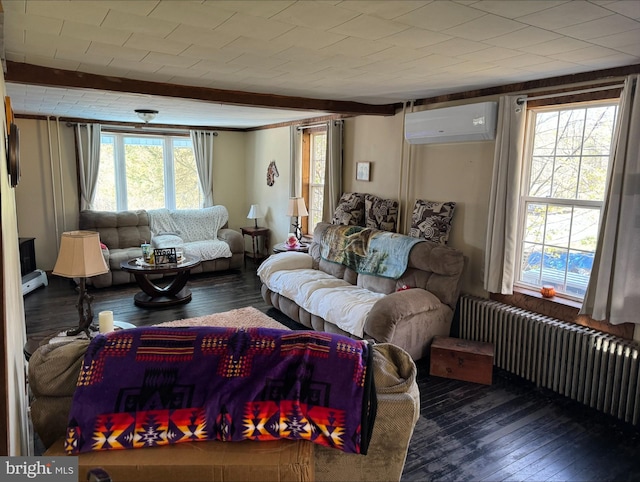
105, 321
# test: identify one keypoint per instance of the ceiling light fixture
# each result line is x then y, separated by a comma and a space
146, 115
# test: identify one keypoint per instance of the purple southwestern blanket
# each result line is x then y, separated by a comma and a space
156, 386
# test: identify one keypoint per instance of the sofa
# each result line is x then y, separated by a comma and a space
53, 374
201, 232
408, 310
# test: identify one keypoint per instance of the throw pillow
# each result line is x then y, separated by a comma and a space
432, 220
350, 210
380, 213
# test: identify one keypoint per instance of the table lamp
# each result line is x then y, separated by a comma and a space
297, 209
80, 256
255, 213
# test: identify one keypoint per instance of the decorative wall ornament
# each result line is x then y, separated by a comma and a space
272, 173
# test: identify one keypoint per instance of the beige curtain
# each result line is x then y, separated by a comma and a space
295, 170
333, 169
88, 148
502, 225
613, 292
203, 152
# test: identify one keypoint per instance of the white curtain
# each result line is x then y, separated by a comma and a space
333, 169
500, 262
88, 148
613, 292
203, 151
295, 169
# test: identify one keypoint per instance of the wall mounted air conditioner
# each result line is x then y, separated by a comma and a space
463, 123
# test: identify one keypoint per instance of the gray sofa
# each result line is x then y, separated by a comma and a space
408, 311
124, 231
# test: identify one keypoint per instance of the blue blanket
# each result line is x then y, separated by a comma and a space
155, 386
366, 250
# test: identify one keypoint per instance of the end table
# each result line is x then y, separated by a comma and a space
256, 253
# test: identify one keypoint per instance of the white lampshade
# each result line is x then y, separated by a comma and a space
297, 207
255, 212
80, 255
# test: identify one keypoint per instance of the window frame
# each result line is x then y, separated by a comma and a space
307, 158
168, 161
525, 199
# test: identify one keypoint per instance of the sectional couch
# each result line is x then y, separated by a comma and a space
408, 310
202, 232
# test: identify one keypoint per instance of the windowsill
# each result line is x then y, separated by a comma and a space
555, 299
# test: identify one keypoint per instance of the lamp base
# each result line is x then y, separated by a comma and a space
85, 313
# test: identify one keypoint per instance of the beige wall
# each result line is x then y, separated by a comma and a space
263, 147
12, 312
458, 172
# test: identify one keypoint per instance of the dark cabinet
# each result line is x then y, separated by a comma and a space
27, 255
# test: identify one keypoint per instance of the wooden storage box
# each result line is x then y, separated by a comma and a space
471, 361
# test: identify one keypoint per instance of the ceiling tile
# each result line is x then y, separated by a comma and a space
253, 27
521, 61
589, 53
438, 16
98, 34
155, 44
488, 26
38, 23
311, 38
601, 27
415, 38
108, 70
137, 7
565, 15
85, 12
619, 40
316, 15
559, 45
434, 61
48, 42
628, 8
136, 67
187, 35
609, 61
49, 61
397, 54
169, 60
490, 54
387, 10
15, 56
217, 67
633, 49
257, 8
469, 66
250, 45
454, 47
253, 60
139, 24
302, 54
16, 6
125, 53
525, 37
73, 55
355, 47
207, 53
193, 14
368, 27
513, 9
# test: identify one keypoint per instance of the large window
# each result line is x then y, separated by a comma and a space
563, 194
146, 172
316, 181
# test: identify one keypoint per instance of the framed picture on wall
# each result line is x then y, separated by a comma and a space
363, 170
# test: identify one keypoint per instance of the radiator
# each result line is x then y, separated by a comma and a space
596, 369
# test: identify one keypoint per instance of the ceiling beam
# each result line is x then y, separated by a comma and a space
38, 75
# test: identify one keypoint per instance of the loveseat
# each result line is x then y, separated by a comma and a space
53, 375
195, 230
407, 309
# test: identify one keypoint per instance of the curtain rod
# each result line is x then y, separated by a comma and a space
521, 100
324, 124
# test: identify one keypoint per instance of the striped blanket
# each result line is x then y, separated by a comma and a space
156, 386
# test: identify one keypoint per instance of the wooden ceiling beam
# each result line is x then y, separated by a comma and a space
37, 75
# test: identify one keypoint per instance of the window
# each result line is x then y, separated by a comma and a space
314, 157
146, 172
567, 163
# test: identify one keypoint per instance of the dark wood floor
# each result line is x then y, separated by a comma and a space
507, 431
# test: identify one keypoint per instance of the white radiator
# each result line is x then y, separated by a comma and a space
599, 370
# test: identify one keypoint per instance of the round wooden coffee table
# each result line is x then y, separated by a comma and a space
154, 295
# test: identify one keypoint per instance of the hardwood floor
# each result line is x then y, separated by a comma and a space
506, 431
